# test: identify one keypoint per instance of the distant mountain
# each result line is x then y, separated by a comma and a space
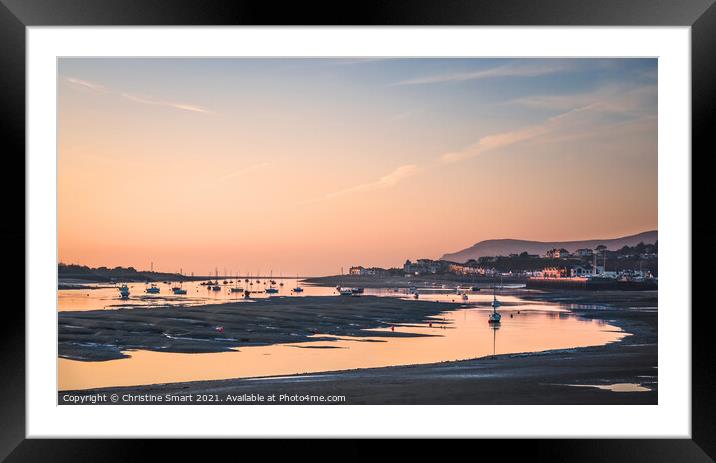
505, 247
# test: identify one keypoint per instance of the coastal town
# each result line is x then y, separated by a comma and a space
630, 266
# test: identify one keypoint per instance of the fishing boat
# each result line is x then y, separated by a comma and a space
494, 316
153, 289
124, 291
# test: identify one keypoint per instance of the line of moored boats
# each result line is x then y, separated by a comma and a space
178, 289
152, 288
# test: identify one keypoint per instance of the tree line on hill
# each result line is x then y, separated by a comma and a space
82, 272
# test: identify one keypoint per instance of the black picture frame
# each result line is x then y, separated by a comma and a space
16, 15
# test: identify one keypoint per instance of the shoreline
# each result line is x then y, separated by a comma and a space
546, 377
400, 281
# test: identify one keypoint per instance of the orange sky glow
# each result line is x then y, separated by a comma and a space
304, 166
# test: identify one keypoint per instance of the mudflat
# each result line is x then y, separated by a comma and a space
564, 376
108, 334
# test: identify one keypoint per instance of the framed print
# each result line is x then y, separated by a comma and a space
467, 222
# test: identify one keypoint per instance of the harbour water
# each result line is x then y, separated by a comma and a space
106, 296
461, 334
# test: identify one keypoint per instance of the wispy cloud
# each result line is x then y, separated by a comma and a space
498, 140
588, 114
85, 83
139, 98
615, 98
169, 104
387, 181
519, 69
244, 170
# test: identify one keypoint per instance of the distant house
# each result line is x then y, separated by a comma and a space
557, 254
373, 271
580, 271
554, 272
423, 266
463, 269
409, 267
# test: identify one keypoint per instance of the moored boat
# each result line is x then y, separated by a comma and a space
124, 291
153, 289
494, 316
178, 290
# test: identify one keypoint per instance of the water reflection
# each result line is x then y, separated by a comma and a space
107, 296
455, 335
616, 387
494, 327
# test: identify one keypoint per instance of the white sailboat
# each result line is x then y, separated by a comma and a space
494, 316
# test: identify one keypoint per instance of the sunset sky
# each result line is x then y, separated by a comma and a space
309, 165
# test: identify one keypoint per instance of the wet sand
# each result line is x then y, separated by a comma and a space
107, 334
549, 377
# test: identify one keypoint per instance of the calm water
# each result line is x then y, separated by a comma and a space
536, 327
105, 296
